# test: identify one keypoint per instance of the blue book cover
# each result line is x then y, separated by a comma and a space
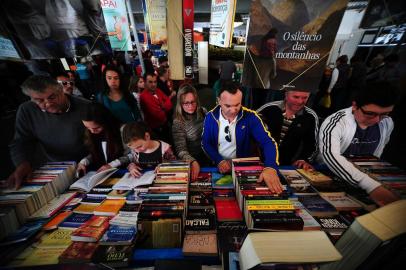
118, 235
220, 181
75, 220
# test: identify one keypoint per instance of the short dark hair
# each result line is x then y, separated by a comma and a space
383, 94
229, 86
135, 131
39, 83
148, 73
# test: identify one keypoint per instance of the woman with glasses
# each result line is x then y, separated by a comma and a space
187, 128
118, 100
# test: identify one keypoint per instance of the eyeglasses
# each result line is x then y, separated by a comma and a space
189, 103
65, 83
370, 114
227, 131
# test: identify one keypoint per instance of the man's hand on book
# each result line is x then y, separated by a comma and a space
21, 173
134, 170
224, 166
271, 178
382, 196
195, 169
104, 167
302, 164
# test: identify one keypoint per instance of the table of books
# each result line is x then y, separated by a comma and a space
162, 218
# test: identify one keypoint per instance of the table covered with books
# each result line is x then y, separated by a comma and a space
110, 219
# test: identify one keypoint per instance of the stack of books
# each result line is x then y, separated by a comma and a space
200, 223
46, 183
163, 208
391, 176
263, 210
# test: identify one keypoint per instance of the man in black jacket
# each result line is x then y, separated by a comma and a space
294, 127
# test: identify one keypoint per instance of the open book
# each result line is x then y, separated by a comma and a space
92, 179
128, 182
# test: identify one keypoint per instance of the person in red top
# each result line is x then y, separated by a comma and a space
156, 105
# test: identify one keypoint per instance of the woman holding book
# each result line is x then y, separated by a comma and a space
102, 138
187, 128
118, 100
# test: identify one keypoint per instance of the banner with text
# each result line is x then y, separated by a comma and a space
222, 22
156, 10
115, 16
289, 42
188, 19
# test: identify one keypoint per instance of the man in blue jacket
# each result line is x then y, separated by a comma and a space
229, 130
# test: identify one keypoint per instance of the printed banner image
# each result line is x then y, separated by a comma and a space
156, 16
222, 22
289, 41
118, 31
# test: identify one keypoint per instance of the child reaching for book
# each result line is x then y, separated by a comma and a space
102, 138
145, 152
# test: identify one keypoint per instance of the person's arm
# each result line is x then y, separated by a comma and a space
331, 133
270, 151
209, 140
22, 148
166, 102
151, 107
122, 161
334, 78
309, 140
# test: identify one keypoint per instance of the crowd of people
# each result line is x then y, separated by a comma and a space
148, 122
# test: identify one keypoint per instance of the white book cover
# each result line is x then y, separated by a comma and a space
92, 179
128, 182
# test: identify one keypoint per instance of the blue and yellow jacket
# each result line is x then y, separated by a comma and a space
249, 127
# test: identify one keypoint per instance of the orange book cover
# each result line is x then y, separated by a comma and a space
53, 223
109, 207
92, 230
85, 208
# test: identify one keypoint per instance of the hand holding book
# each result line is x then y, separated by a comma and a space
383, 196
302, 164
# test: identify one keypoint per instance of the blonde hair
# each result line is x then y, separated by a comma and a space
183, 90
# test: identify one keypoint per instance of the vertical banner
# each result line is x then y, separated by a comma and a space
289, 42
188, 19
222, 22
175, 40
156, 10
115, 16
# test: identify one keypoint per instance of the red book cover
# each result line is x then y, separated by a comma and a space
227, 210
92, 230
78, 252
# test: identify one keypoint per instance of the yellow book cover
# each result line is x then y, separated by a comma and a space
57, 238
109, 207
43, 256
85, 208
271, 207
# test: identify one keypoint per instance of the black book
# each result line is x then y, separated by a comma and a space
231, 235
200, 199
202, 220
177, 265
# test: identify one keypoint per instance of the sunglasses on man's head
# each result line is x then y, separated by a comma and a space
228, 133
65, 83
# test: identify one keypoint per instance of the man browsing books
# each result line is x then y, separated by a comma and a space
228, 131
360, 130
48, 127
294, 126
